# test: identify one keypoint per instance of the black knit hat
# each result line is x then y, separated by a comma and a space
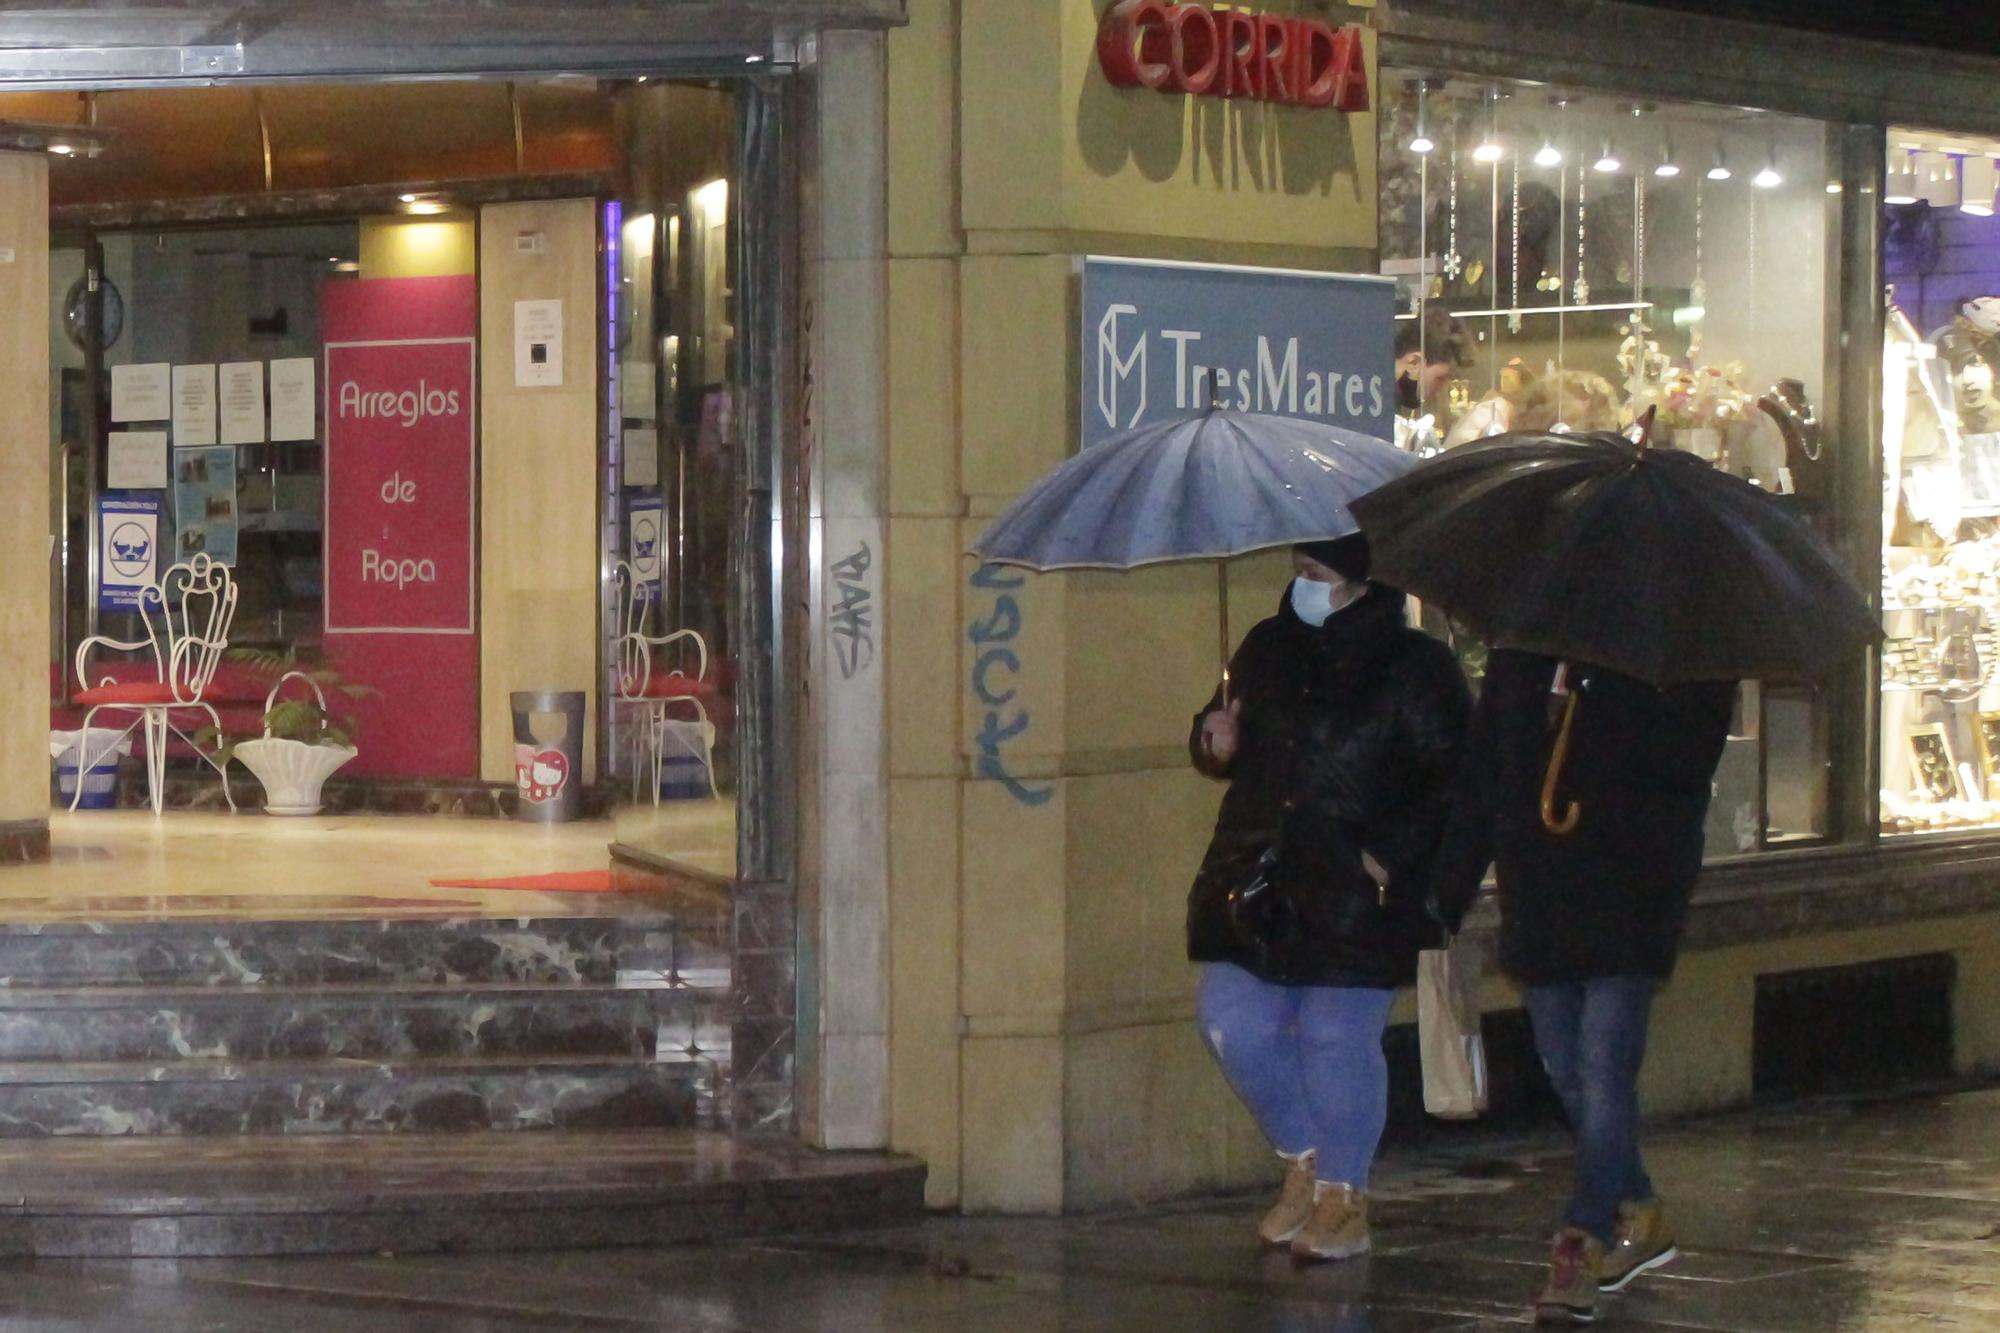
1346, 556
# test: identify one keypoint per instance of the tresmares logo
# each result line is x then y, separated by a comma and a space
1116, 366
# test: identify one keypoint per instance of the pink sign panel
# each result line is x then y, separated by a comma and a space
401, 441
399, 486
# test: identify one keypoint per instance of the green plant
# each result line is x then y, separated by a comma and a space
300, 717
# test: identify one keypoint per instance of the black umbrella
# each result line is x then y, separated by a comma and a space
1593, 548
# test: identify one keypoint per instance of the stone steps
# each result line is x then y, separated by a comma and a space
355, 1021
314, 1097
366, 1028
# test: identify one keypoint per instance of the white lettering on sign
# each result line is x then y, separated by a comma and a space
409, 407
397, 491
398, 574
1276, 384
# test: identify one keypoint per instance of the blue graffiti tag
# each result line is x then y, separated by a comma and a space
989, 635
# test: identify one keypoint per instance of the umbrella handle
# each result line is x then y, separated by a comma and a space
1565, 824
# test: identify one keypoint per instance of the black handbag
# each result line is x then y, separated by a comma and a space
1268, 924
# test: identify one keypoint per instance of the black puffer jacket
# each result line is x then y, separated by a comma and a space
1609, 898
1351, 733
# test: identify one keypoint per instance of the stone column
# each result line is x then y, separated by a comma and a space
24, 507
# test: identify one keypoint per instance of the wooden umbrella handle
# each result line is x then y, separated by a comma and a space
1565, 824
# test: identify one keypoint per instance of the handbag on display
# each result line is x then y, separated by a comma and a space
1448, 1036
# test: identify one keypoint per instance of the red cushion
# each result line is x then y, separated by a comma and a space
127, 692
674, 685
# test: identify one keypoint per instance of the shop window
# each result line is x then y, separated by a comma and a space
1941, 501
1569, 258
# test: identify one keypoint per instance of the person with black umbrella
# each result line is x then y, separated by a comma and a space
1626, 591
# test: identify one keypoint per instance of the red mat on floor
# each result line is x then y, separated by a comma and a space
562, 881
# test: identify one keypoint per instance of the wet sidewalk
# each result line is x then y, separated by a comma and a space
1879, 1216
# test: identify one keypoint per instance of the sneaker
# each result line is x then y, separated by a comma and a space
1644, 1243
1339, 1225
1295, 1202
1574, 1265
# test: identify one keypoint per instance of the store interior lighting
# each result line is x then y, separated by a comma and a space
1549, 155
1668, 167
1489, 151
1937, 180
1720, 170
1979, 178
1609, 162
1901, 185
1422, 141
1769, 178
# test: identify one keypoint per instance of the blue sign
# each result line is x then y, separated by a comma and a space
1171, 340
128, 527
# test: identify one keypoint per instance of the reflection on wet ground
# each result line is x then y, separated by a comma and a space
1877, 1217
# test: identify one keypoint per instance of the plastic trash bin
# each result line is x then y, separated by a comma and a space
548, 755
100, 784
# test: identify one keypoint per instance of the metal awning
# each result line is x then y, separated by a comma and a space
86, 43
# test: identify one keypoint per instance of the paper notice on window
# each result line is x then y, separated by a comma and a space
294, 406
142, 393
538, 344
642, 457
636, 385
194, 406
242, 402
136, 460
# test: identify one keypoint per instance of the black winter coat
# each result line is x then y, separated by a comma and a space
1350, 735
1608, 899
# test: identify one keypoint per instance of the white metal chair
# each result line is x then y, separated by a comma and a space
187, 615
653, 695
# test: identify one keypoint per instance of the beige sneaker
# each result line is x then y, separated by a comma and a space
1570, 1295
1339, 1225
1295, 1201
1644, 1243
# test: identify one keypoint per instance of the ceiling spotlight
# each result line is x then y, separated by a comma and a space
1548, 155
62, 149
1668, 168
408, 198
1609, 162
1423, 143
1937, 180
1720, 171
1490, 151
1767, 179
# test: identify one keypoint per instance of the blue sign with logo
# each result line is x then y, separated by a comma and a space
1171, 340
128, 527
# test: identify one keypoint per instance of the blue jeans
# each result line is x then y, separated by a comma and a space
1306, 1060
1592, 1039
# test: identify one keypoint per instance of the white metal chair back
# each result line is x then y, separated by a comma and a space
187, 615
633, 656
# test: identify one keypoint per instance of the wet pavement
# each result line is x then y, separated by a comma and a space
1882, 1216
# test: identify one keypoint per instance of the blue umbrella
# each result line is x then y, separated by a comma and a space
1210, 487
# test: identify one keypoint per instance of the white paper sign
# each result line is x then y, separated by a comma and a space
636, 382
194, 406
293, 414
142, 393
242, 393
137, 460
538, 344
642, 457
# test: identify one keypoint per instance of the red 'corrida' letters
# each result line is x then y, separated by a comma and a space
1191, 49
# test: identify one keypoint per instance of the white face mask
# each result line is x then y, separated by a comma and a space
1315, 602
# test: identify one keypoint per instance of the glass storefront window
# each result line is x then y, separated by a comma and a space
1568, 259
1941, 495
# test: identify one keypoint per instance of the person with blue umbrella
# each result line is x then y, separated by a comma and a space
1337, 728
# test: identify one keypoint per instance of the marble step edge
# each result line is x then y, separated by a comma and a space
699, 1212
16, 1074
153, 995
287, 929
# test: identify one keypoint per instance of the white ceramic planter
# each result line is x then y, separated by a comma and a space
292, 771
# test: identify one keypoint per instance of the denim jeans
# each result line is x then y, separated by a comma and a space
1306, 1060
1592, 1040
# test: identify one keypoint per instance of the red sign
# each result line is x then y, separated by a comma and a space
1203, 52
401, 414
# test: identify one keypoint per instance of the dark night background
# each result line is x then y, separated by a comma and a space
1950, 26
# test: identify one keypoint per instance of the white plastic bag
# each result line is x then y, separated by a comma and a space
1454, 1053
